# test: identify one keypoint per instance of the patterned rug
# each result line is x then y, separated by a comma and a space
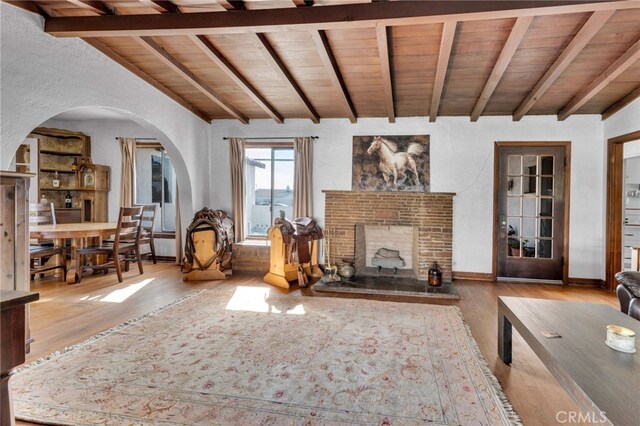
250, 358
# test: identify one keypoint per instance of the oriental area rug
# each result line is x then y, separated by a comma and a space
246, 357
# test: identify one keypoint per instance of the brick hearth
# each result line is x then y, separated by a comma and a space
431, 212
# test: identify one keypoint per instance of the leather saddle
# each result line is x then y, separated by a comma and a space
298, 234
209, 220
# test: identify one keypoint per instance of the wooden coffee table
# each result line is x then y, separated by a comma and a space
597, 377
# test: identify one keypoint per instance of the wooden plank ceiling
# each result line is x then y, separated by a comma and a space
318, 59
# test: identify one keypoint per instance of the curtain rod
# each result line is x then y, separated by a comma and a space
143, 139
280, 137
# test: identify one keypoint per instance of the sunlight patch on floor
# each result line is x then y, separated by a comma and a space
256, 299
88, 298
118, 296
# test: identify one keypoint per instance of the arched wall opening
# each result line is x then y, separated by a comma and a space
112, 114
103, 125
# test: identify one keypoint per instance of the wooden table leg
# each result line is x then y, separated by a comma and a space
12, 354
72, 275
504, 338
58, 243
6, 405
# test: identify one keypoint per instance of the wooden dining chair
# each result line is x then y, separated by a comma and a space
42, 214
147, 231
40, 251
126, 244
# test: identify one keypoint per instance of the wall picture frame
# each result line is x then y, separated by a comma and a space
391, 163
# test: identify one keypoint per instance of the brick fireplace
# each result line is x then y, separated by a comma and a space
429, 214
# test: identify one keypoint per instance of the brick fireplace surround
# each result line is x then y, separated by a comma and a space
431, 212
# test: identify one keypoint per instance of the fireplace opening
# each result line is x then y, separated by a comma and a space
389, 250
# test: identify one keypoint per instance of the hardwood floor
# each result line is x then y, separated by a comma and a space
68, 314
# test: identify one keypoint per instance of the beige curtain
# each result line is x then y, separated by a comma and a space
178, 229
302, 177
236, 148
128, 172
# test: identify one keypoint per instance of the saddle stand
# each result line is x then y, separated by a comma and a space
294, 251
207, 246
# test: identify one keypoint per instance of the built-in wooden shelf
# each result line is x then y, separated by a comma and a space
73, 190
57, 170
66, 155
69, 154
43, 188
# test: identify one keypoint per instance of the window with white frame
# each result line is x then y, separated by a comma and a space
268, 185
156, 184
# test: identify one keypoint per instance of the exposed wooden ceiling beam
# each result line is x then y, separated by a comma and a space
621, 103
446, 43
586, 33
30, 6
303, 3
95, 6
629, 58
367, 15
161, 6
237, 4
232, 72
272, 56
157, 50
206, 47
329, 61
144, 76
385, 69
508, 50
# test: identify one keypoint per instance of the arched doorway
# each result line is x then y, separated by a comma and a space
104, 125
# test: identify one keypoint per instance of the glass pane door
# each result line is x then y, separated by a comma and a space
530, 201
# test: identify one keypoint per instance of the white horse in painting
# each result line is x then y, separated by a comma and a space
393, 163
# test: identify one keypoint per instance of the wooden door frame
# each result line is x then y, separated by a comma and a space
567, 198
615, 160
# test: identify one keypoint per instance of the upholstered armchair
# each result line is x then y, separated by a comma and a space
628, 291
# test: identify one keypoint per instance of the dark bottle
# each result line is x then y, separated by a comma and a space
67, 200
435, 275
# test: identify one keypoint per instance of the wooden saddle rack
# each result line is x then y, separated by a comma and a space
294, 251
207, 247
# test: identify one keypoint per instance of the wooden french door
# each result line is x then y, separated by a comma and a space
531, 211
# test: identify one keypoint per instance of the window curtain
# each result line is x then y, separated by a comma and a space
128, 172
302, 177
236, 148
178, 234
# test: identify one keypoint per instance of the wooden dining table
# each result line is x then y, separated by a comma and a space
77, 233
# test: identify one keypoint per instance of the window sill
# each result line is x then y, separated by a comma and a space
254, 242
165, 235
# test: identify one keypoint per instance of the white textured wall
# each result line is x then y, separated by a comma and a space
461, 162
42, 76
627, 120
631, 149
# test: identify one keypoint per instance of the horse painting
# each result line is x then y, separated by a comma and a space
391, 163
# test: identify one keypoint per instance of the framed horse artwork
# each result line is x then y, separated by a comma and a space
391, 163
